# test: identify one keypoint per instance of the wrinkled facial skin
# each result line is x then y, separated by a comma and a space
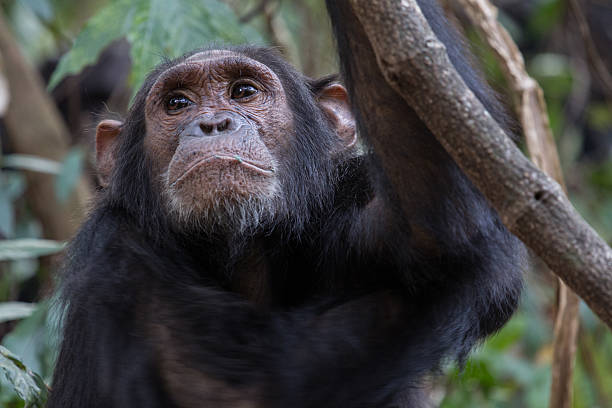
217, 126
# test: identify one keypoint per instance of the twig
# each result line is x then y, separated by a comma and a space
588, 363
602, 72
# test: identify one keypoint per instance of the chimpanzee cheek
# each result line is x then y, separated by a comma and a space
161, 143
277, 132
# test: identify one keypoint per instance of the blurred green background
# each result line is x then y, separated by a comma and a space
92, 54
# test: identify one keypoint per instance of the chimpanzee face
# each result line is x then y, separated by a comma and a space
218, 125
230, 149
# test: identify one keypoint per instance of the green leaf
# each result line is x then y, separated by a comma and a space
99, 32
599, 116
42, 8
27, 384
28, 248
154, 29
509, 335
36, 338
12, 185
69, 174
15, 310
545, 16
602, 176
32, 163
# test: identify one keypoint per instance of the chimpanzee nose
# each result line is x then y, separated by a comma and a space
218, 123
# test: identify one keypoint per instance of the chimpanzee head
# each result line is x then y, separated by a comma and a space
227, 140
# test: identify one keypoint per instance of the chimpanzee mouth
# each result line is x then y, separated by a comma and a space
250, 164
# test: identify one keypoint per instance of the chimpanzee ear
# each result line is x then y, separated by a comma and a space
106, 136
335, 104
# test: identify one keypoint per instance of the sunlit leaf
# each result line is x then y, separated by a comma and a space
28, 248
33, 163
35, 339
549, 65
15, 310
27, 384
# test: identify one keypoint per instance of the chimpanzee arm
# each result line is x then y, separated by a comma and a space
432, 193
447, 239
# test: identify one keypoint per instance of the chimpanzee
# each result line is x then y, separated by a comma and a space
247, 249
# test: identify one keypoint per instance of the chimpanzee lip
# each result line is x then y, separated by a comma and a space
248, 163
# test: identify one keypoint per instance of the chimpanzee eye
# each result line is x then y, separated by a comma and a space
243, 90
177, 102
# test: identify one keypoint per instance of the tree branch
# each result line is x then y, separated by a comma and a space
530, 204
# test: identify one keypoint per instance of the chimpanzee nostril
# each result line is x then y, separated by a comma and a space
220, 122
223, 125
206, 127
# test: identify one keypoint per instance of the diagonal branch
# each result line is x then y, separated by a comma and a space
531, 205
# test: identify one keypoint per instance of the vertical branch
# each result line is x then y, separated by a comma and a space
531, 109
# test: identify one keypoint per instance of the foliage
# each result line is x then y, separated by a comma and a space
69, 174
34, 337
27, 248
12, 183
28, 385
12, 186
154, 29
33, 163
15, 310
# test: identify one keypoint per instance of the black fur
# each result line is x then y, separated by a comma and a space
339, 250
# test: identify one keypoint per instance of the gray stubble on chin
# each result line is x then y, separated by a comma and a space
236, 214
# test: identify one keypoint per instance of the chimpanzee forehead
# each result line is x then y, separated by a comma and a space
211, 55
230, 60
